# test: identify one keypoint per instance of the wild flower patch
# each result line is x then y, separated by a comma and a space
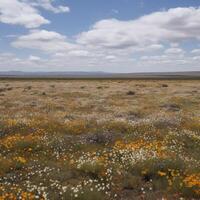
87, 145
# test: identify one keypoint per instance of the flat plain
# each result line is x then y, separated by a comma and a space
99, 139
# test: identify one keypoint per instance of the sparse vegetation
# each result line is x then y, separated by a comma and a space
130, 93
91, 139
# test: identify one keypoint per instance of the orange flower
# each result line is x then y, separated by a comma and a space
21, 159
161, 173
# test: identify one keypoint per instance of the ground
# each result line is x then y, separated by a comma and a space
99, 139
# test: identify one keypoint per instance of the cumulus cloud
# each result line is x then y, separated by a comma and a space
20, 13
79, 53
110, 57
108, 63
25, 12
174, 45
195, 51
34, 58
46, 41
174, 51
170, 63
173, 25
154, 40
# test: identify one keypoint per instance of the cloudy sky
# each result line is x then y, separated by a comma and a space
100, 35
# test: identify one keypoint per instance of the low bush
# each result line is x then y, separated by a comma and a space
10, 165
156, 168
118, 127
27, 145
130, 93
131, 182
94, 169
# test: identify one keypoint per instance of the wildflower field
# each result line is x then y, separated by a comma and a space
99, 139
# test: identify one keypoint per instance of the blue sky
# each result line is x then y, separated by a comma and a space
100, 35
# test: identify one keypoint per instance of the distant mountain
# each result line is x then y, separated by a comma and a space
82, 74
73, 73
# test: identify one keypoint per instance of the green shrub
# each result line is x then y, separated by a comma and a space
8, 165
92, 169
84, 194
78, 127
27, 145
132, 182
154, 168
118, 127
5, 166
90, 195
190, 192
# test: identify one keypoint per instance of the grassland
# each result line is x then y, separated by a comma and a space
99, 139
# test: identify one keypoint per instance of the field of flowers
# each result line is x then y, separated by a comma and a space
99, 140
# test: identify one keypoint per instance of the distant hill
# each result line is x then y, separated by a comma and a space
101, 75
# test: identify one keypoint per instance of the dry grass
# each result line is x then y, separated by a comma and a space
99, 139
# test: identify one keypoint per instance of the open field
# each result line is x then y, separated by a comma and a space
99, 139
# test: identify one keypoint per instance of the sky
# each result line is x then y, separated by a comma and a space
100, 35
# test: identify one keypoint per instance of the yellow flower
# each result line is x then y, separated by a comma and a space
30, 149
144, 172
161, 173
193, 180
21, 159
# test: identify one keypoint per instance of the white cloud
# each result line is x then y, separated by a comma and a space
174, 45
79, 53
174, 51
46, 41
114, 11
169, 63
47, 5
42, 35
173, 25
149, 43
196, 58
25, 12
34, 58
20, 13
196, 51
59, 54
148, 48
110, 57
11, 36
107, 63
